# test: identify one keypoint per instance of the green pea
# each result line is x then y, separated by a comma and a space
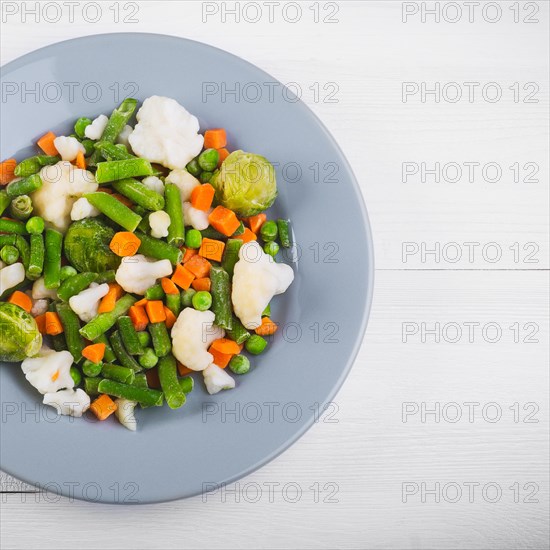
91, 369
80, 126
75, 375
193, 238
144, 338
239, 364
271, 248
9, 254
205, 177
255, 344
148, 359
187, 297
269, 231
208, 160
202, 300
193, 168
66, 272
35, 225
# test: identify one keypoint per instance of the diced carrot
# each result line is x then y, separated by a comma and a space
247, 236
267, 328
41, 323
80, 161
212, 249
224, 220
215, 138
201, 284
53, 323
139, 317
125, 243
170, 318
22, 300
103, 407
168, 286
109, 300
124, 200
224, 345
155, 311
183, 370
198, 266
189, 253
7, 171
220, 359
94, 352
256, 222
46, 144
202, 197
152, 376
223, 154
182, 277
141, 302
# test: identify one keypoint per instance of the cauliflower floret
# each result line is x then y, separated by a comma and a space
137, 273
166, 133
124, 135
39, 307
49, 371
159, 222
125, 413
11, 275
185, 181
217, 379
192, 334
68, 402
68, 147
256, 279
86, 303
62, 185
82, 208
198, 219
39, 290
154, 183
95, 129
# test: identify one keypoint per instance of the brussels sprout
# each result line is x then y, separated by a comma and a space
245, 183
87, 246
19, 334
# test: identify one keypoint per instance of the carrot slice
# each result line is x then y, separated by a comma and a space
224, 220
80, 161
198, 266
22, 300
7, 171
168, 286
125, 243
46, 144
170, 317
224, 345
183, 277
155, 311
247, 236
223, 154
109, 300
103, 407
201, 284
256, 222
220, 359
94, 352
212, 249
215, 138
138, 316
202, 197
183, 370
53, 324
267, 328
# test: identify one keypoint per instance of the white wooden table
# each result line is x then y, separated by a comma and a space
382, 470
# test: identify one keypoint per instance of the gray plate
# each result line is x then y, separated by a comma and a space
213, 439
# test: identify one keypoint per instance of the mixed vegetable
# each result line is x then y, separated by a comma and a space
130, 258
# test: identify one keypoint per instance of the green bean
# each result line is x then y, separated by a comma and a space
284, 233
118, 373
36, 257
67, 271
80, 126
157, 249
155, 292
211, 233
114, 210
148, 360
173, 303
161, 339
144, 396
267, 311
129, 336
238, 333
140, 194
104, 321
4, 201
231, 255
33, 165
118, 119
174, 208
144, 338
35, 225
20, 243
89, 368
110, 152
173, 393
187, 384
21, 207
106, 276
9, 254
12, 226
140, 380
24, 186
113, 170
221, 297
109, 355
71, 326
75, 375
52, 262
75, 284
91, 385
125, 359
